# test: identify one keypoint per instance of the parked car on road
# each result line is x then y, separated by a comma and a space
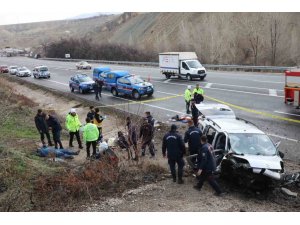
23, 72
82, 83
97, 72
132, 85
83, 65
3, 69
13, 70
41, 72
110, 78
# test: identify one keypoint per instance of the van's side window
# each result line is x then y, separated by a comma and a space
210, 135
185, 66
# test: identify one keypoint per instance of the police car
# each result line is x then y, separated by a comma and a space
243, 152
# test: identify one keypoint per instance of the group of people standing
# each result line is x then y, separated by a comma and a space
192, 98
92, 131
173, 147
146, 134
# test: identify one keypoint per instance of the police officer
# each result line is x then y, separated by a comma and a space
206, 167
174, 146
188, 98
150, 118
192, 137
90, 137
198, 94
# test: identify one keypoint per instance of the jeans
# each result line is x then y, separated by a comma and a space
88, 145
76, 133
208, 175
180, 165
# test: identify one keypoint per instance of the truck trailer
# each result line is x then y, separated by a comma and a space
181, 64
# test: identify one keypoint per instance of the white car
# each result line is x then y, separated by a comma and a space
13, 70
83, 65
244, 154
23, 72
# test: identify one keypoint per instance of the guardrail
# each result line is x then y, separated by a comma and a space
245, 68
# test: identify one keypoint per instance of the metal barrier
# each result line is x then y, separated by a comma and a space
245, 68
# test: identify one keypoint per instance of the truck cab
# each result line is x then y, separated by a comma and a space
181, 64
97, 72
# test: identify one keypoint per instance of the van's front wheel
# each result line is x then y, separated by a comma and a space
189, 77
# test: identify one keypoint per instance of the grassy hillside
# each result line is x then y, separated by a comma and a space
218, 38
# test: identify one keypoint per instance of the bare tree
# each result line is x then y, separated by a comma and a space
275, 35
254, 42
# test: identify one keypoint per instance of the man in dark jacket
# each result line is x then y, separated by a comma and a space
42, 127
150, 118
91, 113
174, 146
206, 167
98, 119
195, 112
55, 126
192, 137
98, 88
146, 133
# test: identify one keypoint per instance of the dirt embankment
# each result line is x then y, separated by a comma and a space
30, 183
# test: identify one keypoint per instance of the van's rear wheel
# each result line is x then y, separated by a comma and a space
168, 76
114, 92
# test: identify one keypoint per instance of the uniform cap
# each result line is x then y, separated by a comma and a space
72, 110
189, 87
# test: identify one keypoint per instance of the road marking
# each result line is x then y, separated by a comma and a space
166, 81
208, 85
286, 113
229, 90
254, 111
272, 92
167, 93
170, 110
285, 138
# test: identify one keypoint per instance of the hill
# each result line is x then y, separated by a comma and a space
218, 38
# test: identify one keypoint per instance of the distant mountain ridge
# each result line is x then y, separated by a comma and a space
217, 38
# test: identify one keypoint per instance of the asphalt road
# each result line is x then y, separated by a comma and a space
257, 97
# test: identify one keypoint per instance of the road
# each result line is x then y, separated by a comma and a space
257, 97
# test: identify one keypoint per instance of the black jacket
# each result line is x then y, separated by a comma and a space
146, 132
192, 136
151, 120
91, 115
41, 124
173, 144
206, 160
195, 111
54, 124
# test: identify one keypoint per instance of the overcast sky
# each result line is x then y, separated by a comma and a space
22, 11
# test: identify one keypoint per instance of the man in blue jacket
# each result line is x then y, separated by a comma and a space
174, 146
56, 128
192, 137
206, 167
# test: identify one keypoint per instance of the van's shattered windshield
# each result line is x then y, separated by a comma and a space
251, 144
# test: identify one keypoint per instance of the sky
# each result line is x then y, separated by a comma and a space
22, 11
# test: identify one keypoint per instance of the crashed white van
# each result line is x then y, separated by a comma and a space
243, 153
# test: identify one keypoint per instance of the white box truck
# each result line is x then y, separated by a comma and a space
181, 64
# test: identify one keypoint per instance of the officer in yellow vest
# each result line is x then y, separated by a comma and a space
90, 137
198, 94
73, 124
187, 98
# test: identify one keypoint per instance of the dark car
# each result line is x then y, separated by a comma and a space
82, 83
3, 69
